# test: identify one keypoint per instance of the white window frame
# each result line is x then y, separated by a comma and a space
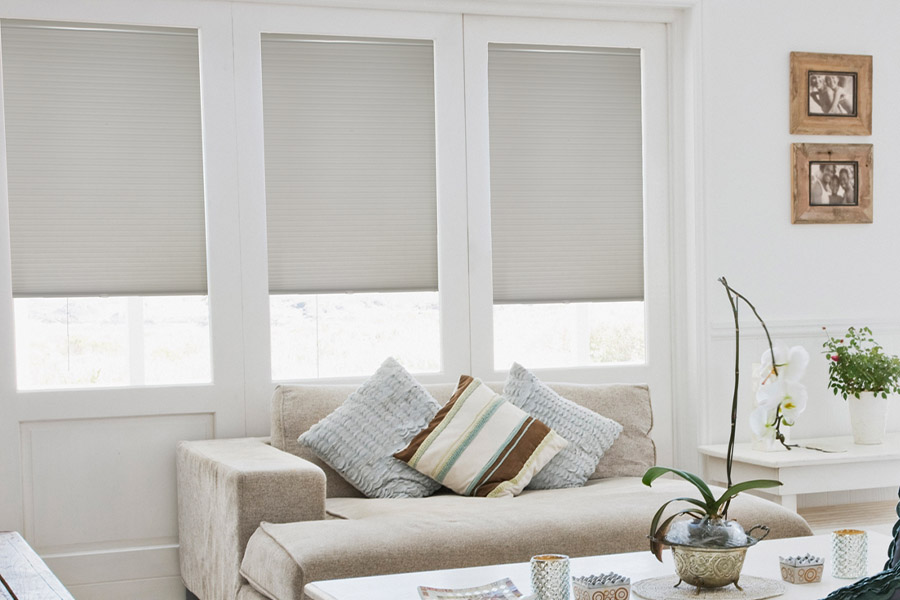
220, 189
651, 38
445, 32
219, 403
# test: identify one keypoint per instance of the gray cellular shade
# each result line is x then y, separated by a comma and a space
105, 164
566, 180
351, 198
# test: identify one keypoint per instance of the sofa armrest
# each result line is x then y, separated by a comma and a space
225, 489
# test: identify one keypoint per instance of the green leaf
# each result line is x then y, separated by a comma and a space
741, 487
654, 473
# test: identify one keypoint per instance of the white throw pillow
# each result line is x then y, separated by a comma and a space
588, 433
359, 438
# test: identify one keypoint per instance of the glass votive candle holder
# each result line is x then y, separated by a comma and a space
550, 576
849, 553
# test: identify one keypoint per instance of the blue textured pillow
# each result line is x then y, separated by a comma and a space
359, 438
588, 433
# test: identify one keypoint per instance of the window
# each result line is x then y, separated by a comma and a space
329, 335
117, 340
566, 194
351, 204
106, 204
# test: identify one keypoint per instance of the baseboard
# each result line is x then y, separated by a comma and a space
159, 588
150, 572
847, 497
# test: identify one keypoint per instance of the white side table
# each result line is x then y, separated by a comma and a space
803, 471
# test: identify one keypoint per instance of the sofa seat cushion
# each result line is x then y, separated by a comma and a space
378, 536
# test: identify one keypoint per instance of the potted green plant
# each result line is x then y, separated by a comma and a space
861, 373
709, 549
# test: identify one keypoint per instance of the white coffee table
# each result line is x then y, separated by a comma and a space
762, 561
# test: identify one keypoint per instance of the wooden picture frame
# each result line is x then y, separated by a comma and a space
831, 94
831, 183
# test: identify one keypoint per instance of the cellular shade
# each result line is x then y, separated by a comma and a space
566, 180
105, 163
350, 164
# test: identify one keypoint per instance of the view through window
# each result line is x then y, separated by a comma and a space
115, 341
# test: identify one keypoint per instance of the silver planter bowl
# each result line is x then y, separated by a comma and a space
712, 567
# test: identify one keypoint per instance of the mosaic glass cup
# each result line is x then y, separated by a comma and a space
550, 576
849, 553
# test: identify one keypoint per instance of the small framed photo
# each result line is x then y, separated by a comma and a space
831, 94
831, 183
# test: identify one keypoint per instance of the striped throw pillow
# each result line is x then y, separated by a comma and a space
479, 444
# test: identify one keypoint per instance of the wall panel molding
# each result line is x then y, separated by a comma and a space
102, 484
91, 568
801, 328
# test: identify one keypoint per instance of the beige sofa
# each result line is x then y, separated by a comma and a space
261, 518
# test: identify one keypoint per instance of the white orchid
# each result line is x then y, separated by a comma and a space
780, 396
762, 423
790, 396
791, 363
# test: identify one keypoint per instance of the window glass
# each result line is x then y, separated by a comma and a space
568, 334
117, 341
336, 335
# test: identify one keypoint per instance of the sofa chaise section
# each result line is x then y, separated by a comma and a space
377, 537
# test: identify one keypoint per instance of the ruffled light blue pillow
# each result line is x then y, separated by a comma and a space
588, 433
358, 439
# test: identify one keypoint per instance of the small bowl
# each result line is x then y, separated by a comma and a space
612, 591
802, 574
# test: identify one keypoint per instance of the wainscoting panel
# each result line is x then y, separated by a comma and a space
98, 485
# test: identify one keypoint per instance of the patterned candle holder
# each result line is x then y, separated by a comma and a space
802, 569
550, 576
849, 553
608, 586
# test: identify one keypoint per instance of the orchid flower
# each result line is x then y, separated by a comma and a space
780, 396
790, 396
762, 423
791, 364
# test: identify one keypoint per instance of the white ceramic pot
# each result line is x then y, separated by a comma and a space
868, 415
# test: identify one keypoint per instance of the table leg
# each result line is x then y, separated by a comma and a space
789, 502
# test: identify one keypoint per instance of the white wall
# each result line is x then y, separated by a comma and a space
800, 277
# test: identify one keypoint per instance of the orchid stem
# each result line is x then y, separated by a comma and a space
733, 297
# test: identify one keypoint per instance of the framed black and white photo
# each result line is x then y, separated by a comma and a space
832, 183
831, 94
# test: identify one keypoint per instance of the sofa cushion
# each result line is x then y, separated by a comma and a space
446, 531
479, 444
297, 407
359, 439
589, 434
